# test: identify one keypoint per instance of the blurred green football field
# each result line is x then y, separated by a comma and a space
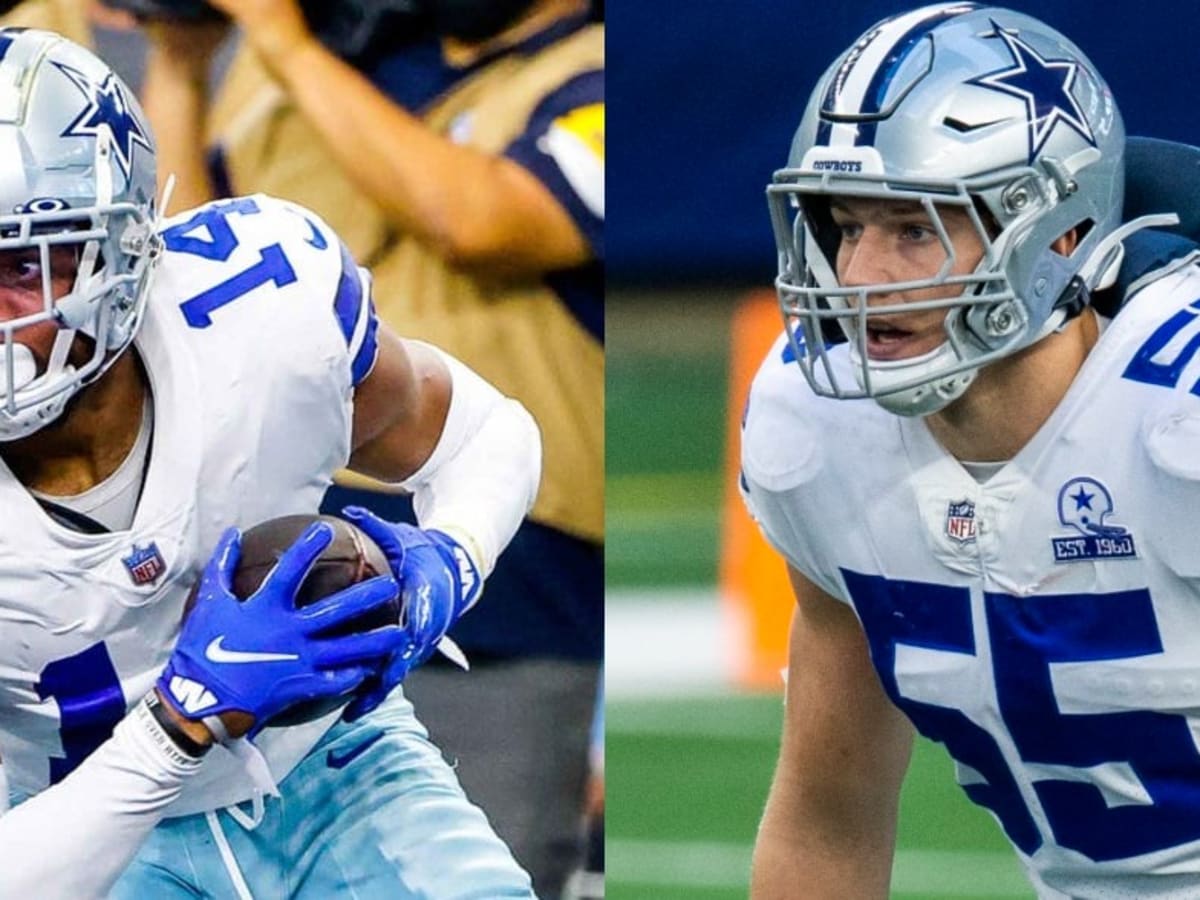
688, 770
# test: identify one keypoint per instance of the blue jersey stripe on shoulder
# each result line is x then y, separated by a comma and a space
351, 304
364, 359
348, 302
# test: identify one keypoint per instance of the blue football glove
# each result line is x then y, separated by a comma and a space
438, 583
263, 655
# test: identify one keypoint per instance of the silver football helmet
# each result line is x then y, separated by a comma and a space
78, 173
960, 106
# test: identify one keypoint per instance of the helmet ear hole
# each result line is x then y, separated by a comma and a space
1070, 240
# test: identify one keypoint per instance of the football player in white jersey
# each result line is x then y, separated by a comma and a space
160, 383
976, 449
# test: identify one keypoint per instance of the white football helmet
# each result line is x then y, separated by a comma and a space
78, 170
965, 106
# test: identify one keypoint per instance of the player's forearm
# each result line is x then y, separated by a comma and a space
784, 872
809, 858
829, 827
75, 839
175, 99
423, 181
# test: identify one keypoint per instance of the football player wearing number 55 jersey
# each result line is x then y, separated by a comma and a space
976, 448
160, 384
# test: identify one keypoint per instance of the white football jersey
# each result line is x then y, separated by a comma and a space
1043, 625
257, 327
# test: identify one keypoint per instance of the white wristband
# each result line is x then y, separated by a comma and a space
142, 734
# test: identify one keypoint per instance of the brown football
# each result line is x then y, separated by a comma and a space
351, 557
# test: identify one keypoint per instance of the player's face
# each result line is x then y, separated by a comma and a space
887, 241
22, 293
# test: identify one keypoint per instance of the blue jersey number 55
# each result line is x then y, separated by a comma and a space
1027, 635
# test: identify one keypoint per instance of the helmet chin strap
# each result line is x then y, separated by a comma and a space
921, 399
932, 396
1100, 270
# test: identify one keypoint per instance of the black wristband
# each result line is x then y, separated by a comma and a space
177, 735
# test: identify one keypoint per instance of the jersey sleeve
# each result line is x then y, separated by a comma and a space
279, 321
354, 306
782, 456
563, 146
334, 282
267, 266
76, 838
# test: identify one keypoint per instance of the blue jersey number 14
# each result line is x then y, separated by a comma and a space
209, 235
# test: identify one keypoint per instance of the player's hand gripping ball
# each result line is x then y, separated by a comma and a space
351, 557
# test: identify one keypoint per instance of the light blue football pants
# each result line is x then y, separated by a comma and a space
386, 819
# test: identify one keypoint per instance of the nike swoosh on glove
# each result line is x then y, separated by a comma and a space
263, 655
438, 583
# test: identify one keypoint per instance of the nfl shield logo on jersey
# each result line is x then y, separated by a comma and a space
960, 521
144, 564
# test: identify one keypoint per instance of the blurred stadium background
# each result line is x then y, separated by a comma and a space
703, 98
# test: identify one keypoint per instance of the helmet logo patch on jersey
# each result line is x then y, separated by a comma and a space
1044, 85
960, 521
145, 565
1083, 505
109, 107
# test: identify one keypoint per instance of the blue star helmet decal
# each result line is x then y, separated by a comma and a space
1084, 504
1045, 85
1083, 500
107, 104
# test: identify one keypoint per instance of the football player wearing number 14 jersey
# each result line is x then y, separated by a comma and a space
161, 382
976, 447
